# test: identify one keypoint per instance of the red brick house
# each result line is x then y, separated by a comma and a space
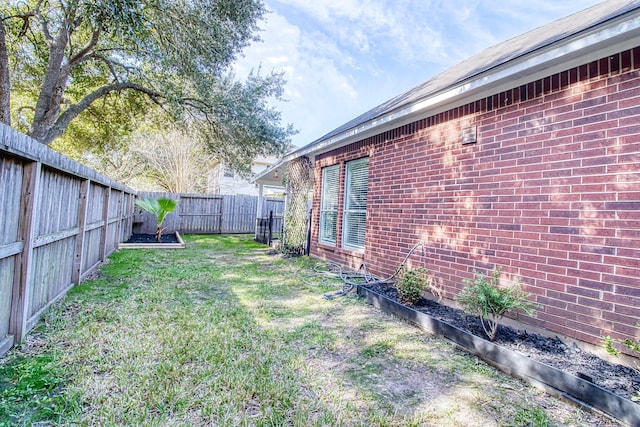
525, 156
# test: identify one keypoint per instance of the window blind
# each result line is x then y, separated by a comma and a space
329, 204
355, 205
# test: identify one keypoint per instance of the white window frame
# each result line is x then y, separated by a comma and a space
227, 172
352, 211
329, 204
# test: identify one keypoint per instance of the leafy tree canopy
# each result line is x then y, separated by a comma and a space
93, 68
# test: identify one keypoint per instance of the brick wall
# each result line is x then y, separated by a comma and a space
550, 191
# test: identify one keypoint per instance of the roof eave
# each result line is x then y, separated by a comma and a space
608, 38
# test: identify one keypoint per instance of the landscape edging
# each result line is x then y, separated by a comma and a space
514, 363
179, 245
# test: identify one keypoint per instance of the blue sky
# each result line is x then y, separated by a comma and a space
344, 57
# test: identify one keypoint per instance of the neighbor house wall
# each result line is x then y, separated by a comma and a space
550, 191
224, 180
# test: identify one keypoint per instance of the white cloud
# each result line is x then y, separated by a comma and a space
344, 57
314, 69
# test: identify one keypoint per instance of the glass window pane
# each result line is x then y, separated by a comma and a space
329, 204
355, 210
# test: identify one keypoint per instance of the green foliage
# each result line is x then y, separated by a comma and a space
30, 389
411, 284
376, 349
96, 68
610, 347
295, 218
634, 346
486, 298
160, 208
531, 417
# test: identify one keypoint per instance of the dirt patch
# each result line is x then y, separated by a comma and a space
616, 378
421, 378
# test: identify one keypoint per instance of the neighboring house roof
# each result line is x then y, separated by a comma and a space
591, 34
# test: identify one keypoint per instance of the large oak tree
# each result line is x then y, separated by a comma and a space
61, 59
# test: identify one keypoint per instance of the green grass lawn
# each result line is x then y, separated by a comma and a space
226, 333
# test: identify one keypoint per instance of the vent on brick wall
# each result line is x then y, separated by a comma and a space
469, 135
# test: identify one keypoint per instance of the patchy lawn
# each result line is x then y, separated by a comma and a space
226, 333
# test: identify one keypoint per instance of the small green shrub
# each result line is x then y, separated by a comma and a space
411, 284
609, 345
486, 298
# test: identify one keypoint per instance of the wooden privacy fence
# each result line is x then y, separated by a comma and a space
58, 221
208, 213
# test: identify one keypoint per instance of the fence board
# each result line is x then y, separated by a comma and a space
53, 273
26, 232
7, 266
10, 194
10, 246
273, 205
200, 214
208, 213
48, 234
91, 255
57, 203
240, 214
125, 223
114, 212
10, 250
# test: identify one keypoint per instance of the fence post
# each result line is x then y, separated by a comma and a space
222, 201
307, 250
270, 228
105, 226
259, 207
26, 231
117, 234
83, 200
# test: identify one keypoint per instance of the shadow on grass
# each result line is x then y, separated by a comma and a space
224, 332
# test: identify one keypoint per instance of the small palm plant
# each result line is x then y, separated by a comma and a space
160, 208
483, 296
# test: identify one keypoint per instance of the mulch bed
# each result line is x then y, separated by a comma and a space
151, 238
619, 379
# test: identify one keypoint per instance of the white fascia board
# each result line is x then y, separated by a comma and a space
610, 38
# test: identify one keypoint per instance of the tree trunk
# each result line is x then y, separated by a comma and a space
5, 82
53, 85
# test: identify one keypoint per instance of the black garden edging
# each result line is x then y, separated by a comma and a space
566, 385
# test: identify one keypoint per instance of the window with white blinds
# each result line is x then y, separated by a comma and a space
355, 203
329, 204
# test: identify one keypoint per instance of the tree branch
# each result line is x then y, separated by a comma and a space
84, 52
45, 27
74, 110
111, 64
